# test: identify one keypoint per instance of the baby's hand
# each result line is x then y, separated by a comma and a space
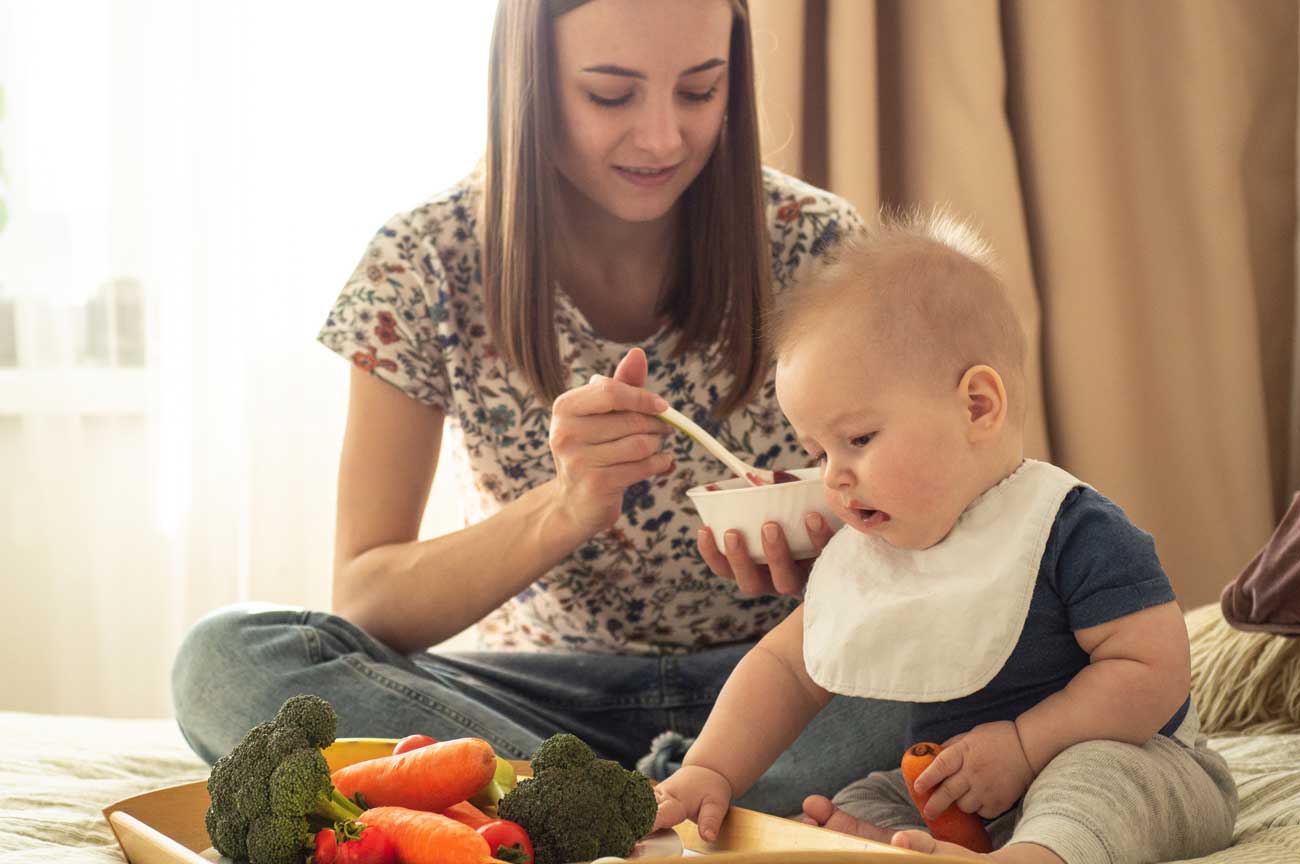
984, 771
696, 793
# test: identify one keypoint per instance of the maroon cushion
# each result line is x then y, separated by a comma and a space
1265, 596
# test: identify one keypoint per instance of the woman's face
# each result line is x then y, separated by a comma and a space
642, 89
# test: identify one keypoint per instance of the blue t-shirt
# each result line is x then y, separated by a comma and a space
1098, 566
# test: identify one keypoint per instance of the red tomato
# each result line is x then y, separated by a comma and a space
413, 742
326, 847
508, 841
368, 846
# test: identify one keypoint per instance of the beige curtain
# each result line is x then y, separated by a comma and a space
1135, 165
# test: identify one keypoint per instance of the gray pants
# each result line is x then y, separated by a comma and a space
1099, 802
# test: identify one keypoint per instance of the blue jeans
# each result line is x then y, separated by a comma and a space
238, 664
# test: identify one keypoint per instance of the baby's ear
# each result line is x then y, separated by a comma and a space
985, 398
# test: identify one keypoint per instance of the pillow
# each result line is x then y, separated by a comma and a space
1242, 682
1265, 597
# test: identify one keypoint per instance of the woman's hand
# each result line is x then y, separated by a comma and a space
780, 575
604, 437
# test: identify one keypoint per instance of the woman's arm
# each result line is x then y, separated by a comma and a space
1138, 675
413, 594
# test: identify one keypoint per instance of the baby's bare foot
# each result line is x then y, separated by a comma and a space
919, 841
818, 810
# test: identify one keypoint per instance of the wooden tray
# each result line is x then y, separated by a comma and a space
165, 826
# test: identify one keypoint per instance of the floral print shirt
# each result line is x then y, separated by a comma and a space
412, 314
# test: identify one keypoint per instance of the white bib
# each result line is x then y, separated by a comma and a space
929, 625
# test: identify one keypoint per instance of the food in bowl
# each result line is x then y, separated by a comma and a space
778, 476
728, 504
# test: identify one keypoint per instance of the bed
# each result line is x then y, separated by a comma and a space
58, 772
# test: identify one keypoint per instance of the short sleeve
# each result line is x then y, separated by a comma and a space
385, 320
805, 224
1106, 567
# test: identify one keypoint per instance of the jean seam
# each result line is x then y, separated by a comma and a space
621, 702
661, 699
310, 643
414, 695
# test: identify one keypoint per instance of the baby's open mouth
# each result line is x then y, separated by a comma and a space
870, 518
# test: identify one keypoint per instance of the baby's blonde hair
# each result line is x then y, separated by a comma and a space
927, 289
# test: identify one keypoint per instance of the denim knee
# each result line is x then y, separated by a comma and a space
212, 689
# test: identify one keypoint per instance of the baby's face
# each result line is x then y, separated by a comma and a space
895, 456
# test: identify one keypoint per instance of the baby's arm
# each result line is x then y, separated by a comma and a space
767, 701
1138, 675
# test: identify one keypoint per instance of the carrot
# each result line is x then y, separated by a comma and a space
429, 778
428, 838
954, 824
467, 814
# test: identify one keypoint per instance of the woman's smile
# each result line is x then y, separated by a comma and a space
646, 176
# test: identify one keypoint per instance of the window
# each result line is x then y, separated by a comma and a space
188, 184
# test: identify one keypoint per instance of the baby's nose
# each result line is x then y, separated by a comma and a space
837, 480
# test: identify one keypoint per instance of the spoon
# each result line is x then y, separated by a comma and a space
751, 474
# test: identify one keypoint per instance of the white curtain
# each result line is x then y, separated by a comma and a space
187, 184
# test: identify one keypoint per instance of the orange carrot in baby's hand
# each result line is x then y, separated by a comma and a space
954, 824
428, 838
430, 778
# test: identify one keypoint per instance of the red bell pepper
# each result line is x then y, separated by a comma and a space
327, 847
359, 843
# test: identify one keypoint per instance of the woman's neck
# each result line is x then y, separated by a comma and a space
615, 271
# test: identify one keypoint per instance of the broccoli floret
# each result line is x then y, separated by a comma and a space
300, 786
219, 778
578, 807
251, 750
285, 740
279, 839
633, 793
564, 750
240, 780
252, 799
272, 782
228, 833
313, 715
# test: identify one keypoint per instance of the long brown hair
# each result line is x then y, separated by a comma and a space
722, 288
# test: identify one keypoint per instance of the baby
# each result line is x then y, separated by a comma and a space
1025, 620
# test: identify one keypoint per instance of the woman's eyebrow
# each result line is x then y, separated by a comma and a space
623, 71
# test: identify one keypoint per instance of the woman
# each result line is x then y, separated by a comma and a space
622, 223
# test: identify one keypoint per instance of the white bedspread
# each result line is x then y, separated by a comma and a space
58, 773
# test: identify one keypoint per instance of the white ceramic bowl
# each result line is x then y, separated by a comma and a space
747, 508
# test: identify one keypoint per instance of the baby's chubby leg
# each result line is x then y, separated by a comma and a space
879, 807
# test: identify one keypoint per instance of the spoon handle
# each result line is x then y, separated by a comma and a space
751, 475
